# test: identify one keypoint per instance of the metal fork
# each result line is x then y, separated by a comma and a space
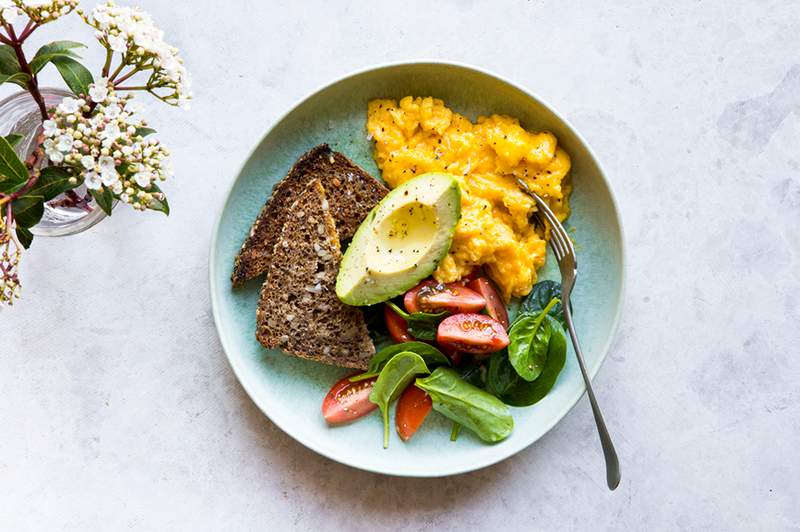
568, 264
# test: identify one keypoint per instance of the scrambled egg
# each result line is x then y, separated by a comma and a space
419, 135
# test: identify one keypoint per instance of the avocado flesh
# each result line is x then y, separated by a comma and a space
401, 241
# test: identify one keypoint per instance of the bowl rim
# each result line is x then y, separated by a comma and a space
466, 467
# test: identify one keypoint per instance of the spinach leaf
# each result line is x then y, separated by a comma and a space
421, 325
393, 379
504, 382
529, 337
431, 356
474, 372
542, 293
468, 405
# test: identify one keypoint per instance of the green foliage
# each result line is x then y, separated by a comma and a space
504, 382
428, 353
540, 296
468, 405
156, 204
12, 171
20, 78
9, 67
52, 51
24, 236
144, 131
393, 379
13, 139
421, 325
75, 75
104, 199
53, 181
529, 336
27, 210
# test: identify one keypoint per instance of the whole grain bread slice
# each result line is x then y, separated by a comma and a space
298, 309
351, 193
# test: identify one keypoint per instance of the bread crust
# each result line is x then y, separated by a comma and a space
351, 193
298, 310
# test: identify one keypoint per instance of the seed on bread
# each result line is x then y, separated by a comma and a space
298, 309
348, 204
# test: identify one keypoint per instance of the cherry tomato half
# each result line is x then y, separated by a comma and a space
432, 296
398, 328
412, 409
348, 401
494, 305
472, 333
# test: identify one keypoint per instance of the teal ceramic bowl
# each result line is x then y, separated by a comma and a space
290, 391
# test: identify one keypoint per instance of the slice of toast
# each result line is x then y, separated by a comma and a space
298, 310
351, 193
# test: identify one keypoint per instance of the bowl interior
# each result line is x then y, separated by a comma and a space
289, 390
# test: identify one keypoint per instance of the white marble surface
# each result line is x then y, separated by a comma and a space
119, 409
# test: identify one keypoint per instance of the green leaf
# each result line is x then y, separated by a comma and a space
11, 168
13, 139
53, 181
27, 210
468, 405
431, 356
53, 50
75, 75
158, 205
24, 236
144, 131
540, 296
504, 382
104, 199
393, 379
421, 325
9, 64
528, 337
20, 78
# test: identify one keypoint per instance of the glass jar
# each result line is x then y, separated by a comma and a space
69, 213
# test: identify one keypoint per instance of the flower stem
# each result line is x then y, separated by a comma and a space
127, 75
33, 83
133, 88
107, 64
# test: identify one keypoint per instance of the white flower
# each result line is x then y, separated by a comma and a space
64, 143
106, 164
111, 132
8, 11
69, 105
87, 161
118, 43
116, 188
98, 92
142, 179
112, 111
92, 180
109, 178
50, 128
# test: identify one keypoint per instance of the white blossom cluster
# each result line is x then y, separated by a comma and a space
131, 32
106, 148
39, 11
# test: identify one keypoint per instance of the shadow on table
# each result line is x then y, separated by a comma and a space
333, 485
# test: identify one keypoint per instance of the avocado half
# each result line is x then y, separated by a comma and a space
401, 241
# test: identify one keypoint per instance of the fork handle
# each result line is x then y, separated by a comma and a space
613, 474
